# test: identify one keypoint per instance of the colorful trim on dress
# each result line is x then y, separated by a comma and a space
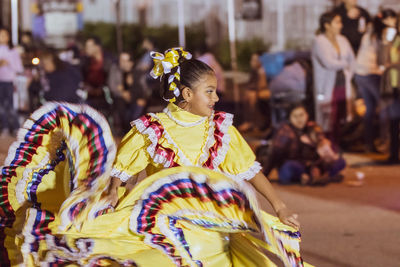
247, 175
217, 144
61, 254
154, 130
143, 218
30, 138
219, 149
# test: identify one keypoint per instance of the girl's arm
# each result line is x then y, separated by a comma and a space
264, 187
112, 192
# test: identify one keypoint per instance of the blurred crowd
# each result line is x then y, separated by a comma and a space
309, 106
348, 89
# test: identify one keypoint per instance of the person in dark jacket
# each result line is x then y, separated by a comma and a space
301, 153
62, 80
95, 68
129, 94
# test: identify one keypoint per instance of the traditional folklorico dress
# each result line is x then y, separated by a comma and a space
194, 208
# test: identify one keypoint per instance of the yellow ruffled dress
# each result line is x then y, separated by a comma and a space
195, 208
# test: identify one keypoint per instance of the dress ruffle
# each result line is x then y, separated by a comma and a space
214, 151
59, 166
193, 217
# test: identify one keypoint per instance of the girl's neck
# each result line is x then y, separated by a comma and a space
182, 105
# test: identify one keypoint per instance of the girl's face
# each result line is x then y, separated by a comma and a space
298, 118
335, 27
203, 96
4, 37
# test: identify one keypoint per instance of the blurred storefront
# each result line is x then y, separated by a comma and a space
51, 21
282, 23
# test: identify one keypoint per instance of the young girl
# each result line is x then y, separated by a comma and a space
186, 131
194, 207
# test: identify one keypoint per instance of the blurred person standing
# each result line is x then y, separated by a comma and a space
10, 65
355, 21
62, 80
95, 68
333, 63
29, 49
372, 58
257, 85
146, 62
207, 57
390, 91
129, 96
142, 69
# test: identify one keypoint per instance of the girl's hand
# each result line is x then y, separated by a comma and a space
288, 217
112, 196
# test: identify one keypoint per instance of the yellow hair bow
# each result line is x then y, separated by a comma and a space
167, 62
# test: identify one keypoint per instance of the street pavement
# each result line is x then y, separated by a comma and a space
353, 223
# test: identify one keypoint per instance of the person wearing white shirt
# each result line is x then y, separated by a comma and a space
10, 65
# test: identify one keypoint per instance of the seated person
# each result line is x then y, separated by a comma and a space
301, 153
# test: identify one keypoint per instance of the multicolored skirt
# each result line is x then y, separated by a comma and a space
53, 210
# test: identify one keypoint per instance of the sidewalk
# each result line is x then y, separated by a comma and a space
342, 225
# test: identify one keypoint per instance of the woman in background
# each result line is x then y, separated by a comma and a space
10, 65
333, 61
372, 59
256, 87
301, 153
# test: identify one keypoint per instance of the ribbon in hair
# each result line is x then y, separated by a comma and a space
168, 63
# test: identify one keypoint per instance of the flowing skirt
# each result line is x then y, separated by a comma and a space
53, 213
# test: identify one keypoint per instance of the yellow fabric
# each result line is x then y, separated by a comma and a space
132, 156
240, 157
221, 246
41, 184
217, 233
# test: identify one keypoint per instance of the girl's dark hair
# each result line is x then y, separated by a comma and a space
378, 24
191, 71
327, 17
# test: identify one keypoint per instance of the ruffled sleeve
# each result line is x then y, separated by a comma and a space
132, 156
240, 162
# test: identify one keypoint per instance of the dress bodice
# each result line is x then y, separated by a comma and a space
179, 138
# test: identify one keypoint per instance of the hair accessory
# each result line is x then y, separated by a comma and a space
168, 63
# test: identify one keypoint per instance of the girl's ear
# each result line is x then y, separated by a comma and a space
187, 94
